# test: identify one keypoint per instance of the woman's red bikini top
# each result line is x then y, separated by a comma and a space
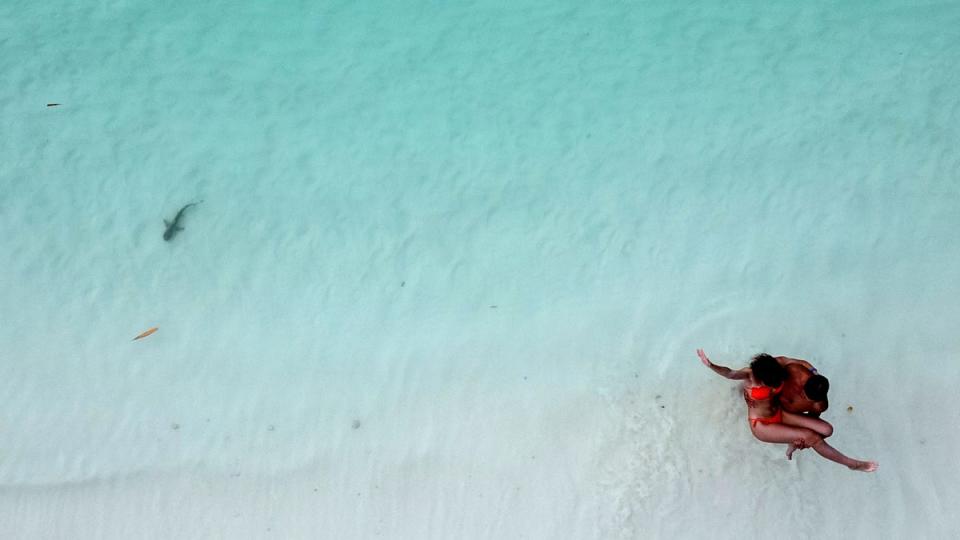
764, 392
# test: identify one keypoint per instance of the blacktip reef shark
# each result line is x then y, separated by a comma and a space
173, 227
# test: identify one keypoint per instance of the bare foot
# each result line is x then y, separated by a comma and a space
798, 444
791, 448
865, 466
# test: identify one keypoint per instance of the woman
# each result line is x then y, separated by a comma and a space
769, 423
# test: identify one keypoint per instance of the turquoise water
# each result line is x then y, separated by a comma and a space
443, 238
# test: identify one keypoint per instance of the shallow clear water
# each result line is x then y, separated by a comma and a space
452, 250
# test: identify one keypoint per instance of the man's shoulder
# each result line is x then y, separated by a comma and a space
797, 370
786, 361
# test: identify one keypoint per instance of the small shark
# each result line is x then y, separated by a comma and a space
173, 227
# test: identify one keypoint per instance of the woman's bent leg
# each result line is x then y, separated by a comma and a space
787, 434
820, 426
783, 433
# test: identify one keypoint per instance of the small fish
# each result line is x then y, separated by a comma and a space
53, 104
173, 227
145, 334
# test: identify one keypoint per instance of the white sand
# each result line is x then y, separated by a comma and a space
452, 265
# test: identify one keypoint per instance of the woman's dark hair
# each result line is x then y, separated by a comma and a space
767, 370
816, 387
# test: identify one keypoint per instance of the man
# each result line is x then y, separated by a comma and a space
805, 390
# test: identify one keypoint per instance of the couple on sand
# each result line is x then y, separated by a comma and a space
785, 397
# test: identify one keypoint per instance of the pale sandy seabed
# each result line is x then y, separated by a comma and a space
453, 262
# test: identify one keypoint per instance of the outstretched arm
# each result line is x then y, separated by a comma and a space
723, 371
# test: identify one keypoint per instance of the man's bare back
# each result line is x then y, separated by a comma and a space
793, 398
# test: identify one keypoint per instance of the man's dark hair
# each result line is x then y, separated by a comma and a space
767, 370
816, 387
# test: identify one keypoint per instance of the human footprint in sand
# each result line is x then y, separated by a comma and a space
763, 383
